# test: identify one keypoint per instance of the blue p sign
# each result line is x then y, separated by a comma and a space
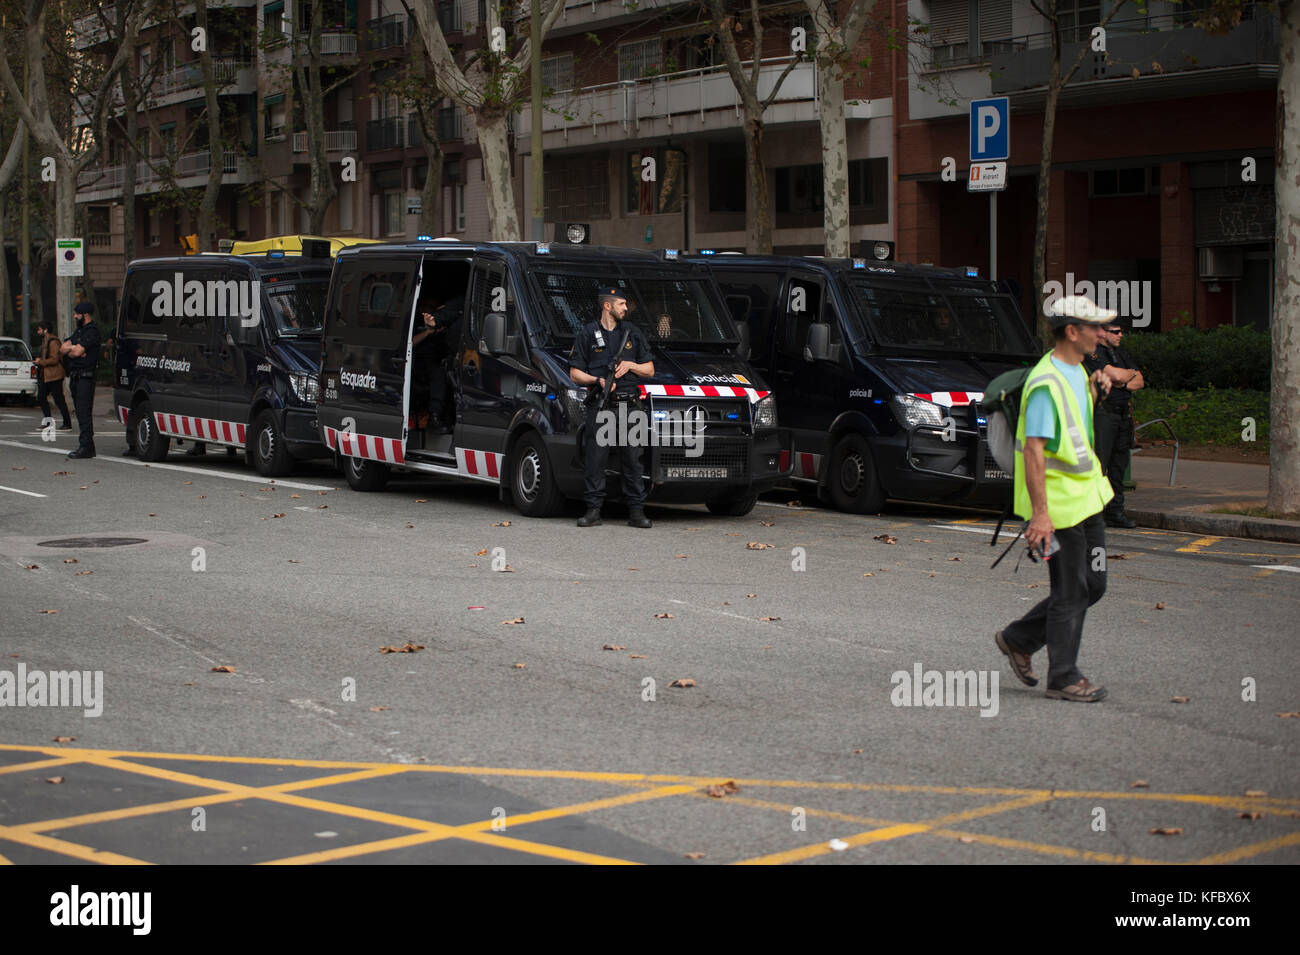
990, 129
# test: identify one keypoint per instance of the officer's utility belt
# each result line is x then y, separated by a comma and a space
593, 396
74, 375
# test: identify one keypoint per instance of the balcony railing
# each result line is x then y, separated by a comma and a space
99, 240
191, 75
385, 32
669, 96
338, 43
385, 133
336, 140
156, 170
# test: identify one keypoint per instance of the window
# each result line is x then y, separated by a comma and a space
749, 298
273, 22
726, 177
802, 307
374, 302
577, 187
167, 133
487, 278
968, 31
557, 73
394, 223
152, 232
799, 189
459, 192
862, 187
1134, 181
1077, 18
137, 308
638, 58
663, 193
697, 50
273, 115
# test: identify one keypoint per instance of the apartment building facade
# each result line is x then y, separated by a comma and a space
1156, 143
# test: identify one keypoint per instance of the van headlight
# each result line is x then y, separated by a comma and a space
304, 386
911, 411
765, 412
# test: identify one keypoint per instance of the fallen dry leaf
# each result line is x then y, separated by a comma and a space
202, 496
321, 507
954, 558
887, 538
1252, 816
188, 684
1167, 831
421, 500
767, 523
1139, 784
1285, 716
54, 779
407, 647
756, 545
663, 616
265, 489
518, 666
732, 534
922, 540
18, 467
47, 611
71, 560
868, 575
725, 789
482, 553
932, 575
501, 524
322, 493
276, 516
1256, 792
31, 567
85, 487
65, 739
188, 483
476, 607
966, 839
507, 569
726, 603
295, 497
695, 855
857, 751
681, 556
1178, 699
376, 709
683, 682
795, 503
613, 646
60, 473
223, 669
768, 619
1161, 605
1119, 556
750, 595
511, 623
83, 573
292, 561
636, 656
155, 515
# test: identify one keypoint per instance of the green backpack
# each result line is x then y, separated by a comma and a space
1001, 406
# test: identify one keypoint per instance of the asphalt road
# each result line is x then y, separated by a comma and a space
300, 582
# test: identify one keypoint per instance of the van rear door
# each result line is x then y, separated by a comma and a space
365, 367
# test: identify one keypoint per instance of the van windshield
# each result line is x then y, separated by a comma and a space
677, 309
938, 316
297, 304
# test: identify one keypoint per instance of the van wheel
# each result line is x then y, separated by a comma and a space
365, 475
149, 444
531, 482
269, 453
852, 480
734, 504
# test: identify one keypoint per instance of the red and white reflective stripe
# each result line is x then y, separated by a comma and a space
371, 447
204, 429
479, 464
805, 464
122, 412
703, 391
951, 399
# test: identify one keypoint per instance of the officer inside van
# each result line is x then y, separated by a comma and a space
431, 346
592, 361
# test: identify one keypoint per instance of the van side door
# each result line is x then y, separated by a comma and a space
806, 389
489, 384
365, 365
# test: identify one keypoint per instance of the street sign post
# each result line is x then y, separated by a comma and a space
990, 145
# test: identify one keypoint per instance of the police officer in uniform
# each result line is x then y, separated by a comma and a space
592, 362
1114, 417
80, 356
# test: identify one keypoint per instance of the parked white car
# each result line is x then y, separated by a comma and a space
17, 371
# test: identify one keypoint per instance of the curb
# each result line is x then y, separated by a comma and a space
1220, 525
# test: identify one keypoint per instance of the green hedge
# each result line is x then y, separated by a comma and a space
1189, 358
1206, 416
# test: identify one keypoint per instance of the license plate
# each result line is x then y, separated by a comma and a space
996, 475
8, 371
695, 472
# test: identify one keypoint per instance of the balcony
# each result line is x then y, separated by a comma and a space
386, 32
387, 133
187, 171
580, 16
1171, 57
336, 141
676, 103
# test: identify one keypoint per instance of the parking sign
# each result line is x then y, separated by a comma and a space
990, 129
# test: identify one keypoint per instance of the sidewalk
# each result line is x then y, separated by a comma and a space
1199, 488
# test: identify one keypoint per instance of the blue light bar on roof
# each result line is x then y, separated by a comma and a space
543, 248
859, 263
424, 238
275, 254
670, 253
972, 272
707, 252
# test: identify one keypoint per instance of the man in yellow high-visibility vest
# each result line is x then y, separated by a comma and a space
1061, 490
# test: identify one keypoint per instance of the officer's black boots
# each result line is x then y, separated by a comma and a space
82, 453
591, 518
636, 518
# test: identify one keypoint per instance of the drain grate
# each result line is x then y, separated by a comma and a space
93, 542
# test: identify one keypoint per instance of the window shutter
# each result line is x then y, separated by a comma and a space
949, 22
995, 20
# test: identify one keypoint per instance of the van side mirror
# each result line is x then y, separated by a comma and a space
742, 349
819, 342
494, 341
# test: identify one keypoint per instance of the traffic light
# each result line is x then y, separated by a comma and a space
18, 304
190, 243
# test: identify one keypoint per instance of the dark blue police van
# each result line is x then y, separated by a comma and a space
879, 368
223, 350
517, 415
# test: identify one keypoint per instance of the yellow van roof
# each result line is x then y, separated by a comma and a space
292, 244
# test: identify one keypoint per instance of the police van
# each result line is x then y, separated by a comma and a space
517, 415
223, 350
879, 368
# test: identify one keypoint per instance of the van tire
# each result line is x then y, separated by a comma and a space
851, 478
532, 485
363, 475
149, 444
733, 504
267, 448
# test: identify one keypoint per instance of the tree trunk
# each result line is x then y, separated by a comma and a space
130, 111
503, 219
758, 214
1284, 420
431, 196
324, 190
1044, 329
835, 156
6, 300
216, 143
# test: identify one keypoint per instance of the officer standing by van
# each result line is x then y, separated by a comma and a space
1114, 419
592, 361
1060, 488
80, 356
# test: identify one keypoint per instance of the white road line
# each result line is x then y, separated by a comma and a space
986, 531
15, 490
1286, 567
250, 478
